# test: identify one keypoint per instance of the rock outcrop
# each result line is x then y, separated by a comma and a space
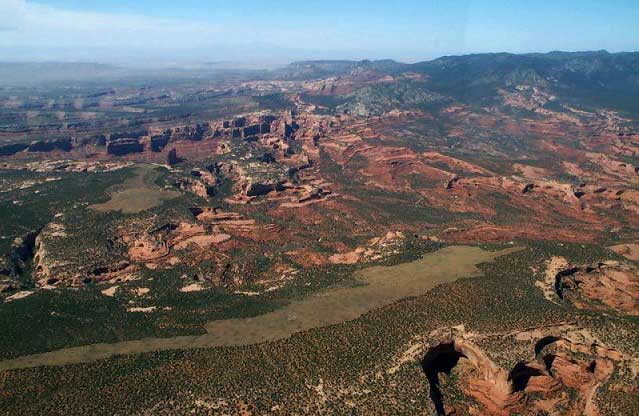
376, 249
252, 127
562, 367
64, 145
12, 149
17, 261
172, 158
609, 285
200, 182
121, 147
158, 142
135, 134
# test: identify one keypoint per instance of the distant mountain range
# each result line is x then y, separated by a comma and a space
598, 77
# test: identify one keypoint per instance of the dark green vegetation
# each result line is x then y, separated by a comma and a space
406, 94
349, 361
260, 214
372, 290
590, 79
31, 208
70, 317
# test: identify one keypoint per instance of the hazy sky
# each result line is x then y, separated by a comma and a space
280, 30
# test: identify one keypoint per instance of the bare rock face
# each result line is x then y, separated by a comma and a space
603, 286
172, 158
59, 262
249, 131
255, 126
239, 122
15, 262
561, 366
146, 249
284, 128
21, 251
376, 249
629, 251
122, 147
167, 244
158, 142
12, 149
136, 134
201, 182
41, 261
64, 145
260, 189
98, 140
192, 133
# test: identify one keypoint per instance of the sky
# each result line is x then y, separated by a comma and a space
278, 31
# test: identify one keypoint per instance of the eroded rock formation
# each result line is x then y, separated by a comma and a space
564, 374
609, 285
64, 145
121, 147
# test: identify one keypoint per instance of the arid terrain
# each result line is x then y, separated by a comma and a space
453, 237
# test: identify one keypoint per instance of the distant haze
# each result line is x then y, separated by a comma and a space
269, 33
